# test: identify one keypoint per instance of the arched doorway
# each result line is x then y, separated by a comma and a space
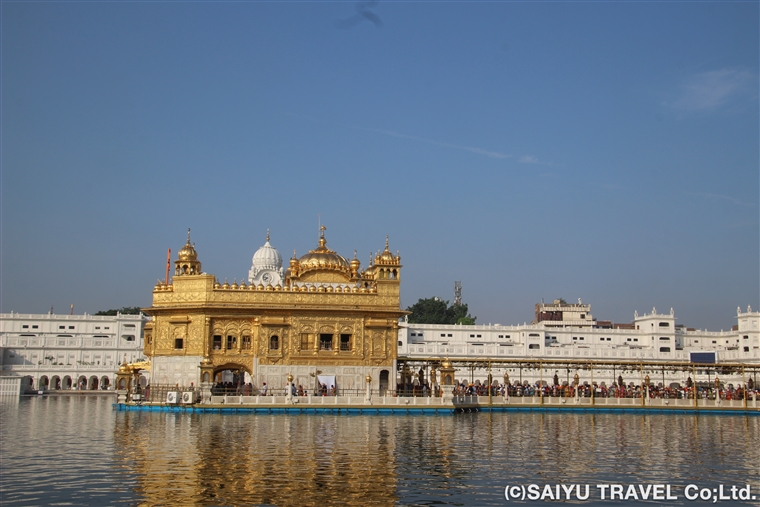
55, 382
44, 382
93, 383
384, 378
66, 382
82, 383
105, 382
233, 379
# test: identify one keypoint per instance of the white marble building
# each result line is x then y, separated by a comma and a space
576, 335
68, 351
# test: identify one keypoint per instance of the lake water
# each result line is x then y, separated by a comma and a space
77, 450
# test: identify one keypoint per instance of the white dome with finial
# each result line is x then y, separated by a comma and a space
266, 259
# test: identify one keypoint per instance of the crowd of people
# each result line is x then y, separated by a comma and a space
575, 388
616, 390
248, 389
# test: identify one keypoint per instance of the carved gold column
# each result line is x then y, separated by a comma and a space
207, 342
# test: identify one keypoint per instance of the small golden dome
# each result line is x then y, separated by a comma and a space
187, 253
446, 364
386, 257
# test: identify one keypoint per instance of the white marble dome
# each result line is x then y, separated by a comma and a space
266, 259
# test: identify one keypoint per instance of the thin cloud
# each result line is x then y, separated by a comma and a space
528, 159
710, 90
471, 149
608, 186
722, 197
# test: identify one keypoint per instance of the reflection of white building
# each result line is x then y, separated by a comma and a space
564, 331
68, 351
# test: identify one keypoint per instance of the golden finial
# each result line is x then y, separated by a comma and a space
354, 254
386, 243
322, 230
267, 235
294, 253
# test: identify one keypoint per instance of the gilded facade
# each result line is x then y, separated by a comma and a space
324, 315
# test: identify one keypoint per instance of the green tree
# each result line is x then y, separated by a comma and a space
127, 310
437, 311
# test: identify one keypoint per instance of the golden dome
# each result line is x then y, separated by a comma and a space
323, 258
355, 264
187, 253
446, 364
294, 263
386, 257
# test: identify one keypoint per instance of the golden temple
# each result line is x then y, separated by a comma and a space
324, 316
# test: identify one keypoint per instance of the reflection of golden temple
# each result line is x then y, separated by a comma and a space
323, 312
181, 460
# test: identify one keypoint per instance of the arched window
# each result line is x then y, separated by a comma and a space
274, 342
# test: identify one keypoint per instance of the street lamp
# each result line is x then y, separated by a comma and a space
368, 396
646, 385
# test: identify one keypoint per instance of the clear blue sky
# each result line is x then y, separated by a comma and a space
595, 150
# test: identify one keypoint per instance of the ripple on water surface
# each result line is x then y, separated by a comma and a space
78, 451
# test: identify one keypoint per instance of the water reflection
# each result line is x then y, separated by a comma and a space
78, 451
253, 459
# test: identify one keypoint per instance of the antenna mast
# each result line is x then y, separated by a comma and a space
457, 293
